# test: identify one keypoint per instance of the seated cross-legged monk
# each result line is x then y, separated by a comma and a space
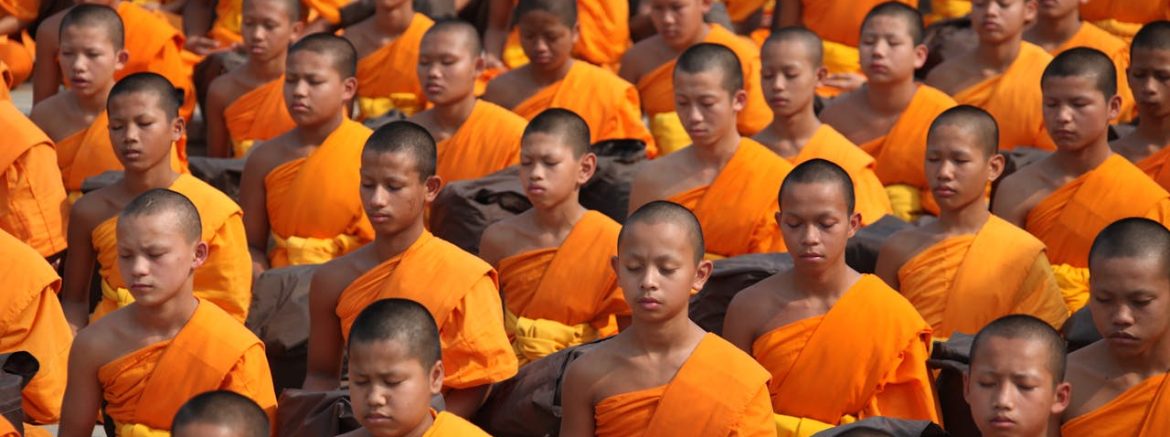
1001, 73
397, 182
399, 337
727, 180
553, 259
889, 115
387, 46
790, 69
142, 362
475, 137
1121, 383
1066, 198
554, 79
663, 375
246, 104
969, 267
33, 206
300, 187
805, 325
1015, 384
1149, 69
220, 413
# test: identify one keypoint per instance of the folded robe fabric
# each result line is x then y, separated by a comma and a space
313, 204
690, 404
461, 293
1124, 17
33, 206
962, 283
156, 46
605, 32
487, 142
1089, 35
258, 115
388, 77
447, 424
1014, 99
837, 22
88, 153
828, 144
1156, 166
823, 370
229, 14
1140, 411
17, 52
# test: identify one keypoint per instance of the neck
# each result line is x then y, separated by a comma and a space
968, 219
549, 76
394, 21
1153, 361
452, 115
159, 176
890, 97
795, 129
698, 37
832, 282
720, 151
661, 337
315, 135
1082, 161
391, 245
1051, 33
1154, 130
998, 57
167, 319
267, 69
561, 216
95, 104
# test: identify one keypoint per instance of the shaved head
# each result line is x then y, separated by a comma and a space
1132, 238
459, 27
566, 124
1021, 326
169, 97
910, 15
1088, 63
222, 408
400, 320
704, 57
661, 211
292, 8
821, 171
971, 119
161, 201
1153, 36
405, 137
338, 49
803, 36
100, 16
564, 10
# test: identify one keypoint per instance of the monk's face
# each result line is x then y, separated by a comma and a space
546, 40
679, 22
815, 222
957, 166
706, 109
268, 27
141, 131
887, 51
997, 21
314, 90
789, 76
447, 67
392, 191
88, 59
1130, 304
549, 173
155, 258
1056, 9
1075, 113
390, 389
1149, 78
1011, 390
657, 271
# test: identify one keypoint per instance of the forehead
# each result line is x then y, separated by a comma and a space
1075, 85
207, 429
709, 80
312, 61
138, 101
266, 8
87, 34
544, 141
886, 23
786, 52
538, 19
953, 136
818, 195
656, 236
444, 41
1143, 270
1150, 58
153, 225
372, 355
398, 161
1018, 354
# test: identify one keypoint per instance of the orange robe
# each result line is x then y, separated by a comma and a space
225, 279
33, 207
1014, 99
88, 152
1156, 166
718, 391
738, 210
388, 77
17, 52
830, 145
838, 23
609, 105
450, 425
1140, 411
1089, 35
156, 46
313, 205
605, 32
963, 283
258, 115
557, 297
145, 388
1124, 17
866, 357
485, 143
229, 14
461, 293
330, 10
33, 321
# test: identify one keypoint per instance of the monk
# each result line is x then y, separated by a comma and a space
1121, 381
300, 186
649, 65
1122, 17
888, 117
220, 413
1000, 73
969, 267
1066, 198
246, 104
791, 67
839, 344
387, 46
728, 181
475, 137
604, 32
33, 206
1146, 145
1015, 384
404, 260
553, 79
399, 337
148, 358
553, 259
656, 377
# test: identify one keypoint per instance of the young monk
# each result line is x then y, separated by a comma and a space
1149, 67
1120, 382
969, 267
299, 186
76, 120
35, 206
802, 325
148, 358
246, 104
889, 115
553, 259
387, 46
404, 260
1069, 196
144, 122
658, 377
1000, 74
220, 413
396, 367
475, 137
554, 79
604, 33
1015, 384
729, 181
790, 69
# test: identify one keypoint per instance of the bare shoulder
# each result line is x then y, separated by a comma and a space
755, 303
361, 35
227, 88
507, 89
106, 339
642, 58
270, 154
839, 111
499, 240
1020, 192
1087, 377
586, 372
49, 30
905, 244
1131, 148
950, 75
93, 208
333, 277
53, 116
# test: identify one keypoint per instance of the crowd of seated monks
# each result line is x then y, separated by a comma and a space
384, 217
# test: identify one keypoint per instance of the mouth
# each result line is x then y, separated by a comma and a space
298, 107
257, 49
131, 155
433, 88
378, 218
377, 419
778, 102
536, 189
1002, 423
1123, 338
944, 192
140, 287
79, 82
811, 256
649, 303
879, 68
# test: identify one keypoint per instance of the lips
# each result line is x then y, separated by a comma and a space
1122, 337
131, 154
1001, 422
298, 107
536, 189
379, 217
944, 192
649, 303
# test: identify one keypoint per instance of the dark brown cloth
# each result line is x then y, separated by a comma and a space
16, 370
279, 315
730, 276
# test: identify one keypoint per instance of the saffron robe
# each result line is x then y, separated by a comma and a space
605, 32
450, 425
258, 115
488, 141
1155, 166
88, 153
1124, 17
1014, 99
33, 206
388, 77
828, 144
1141, 411
229, 15
17, 53
1089, 35
838, 23
156, 46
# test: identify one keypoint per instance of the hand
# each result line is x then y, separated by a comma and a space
493, 61
844, 81
201, 45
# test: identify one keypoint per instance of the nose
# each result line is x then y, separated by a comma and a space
375, 397
648, 281
810, 236
138, 267
300, 88
668, 18
1123, 316
946, 171
379, 198
1003, 398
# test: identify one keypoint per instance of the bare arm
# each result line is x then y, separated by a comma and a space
198, 17
464, 402
79, 265
253, 200
83, 391
737, 323
46, 74
496, 35
219, 143
576, 404
325, 350
889, 262
10, 25
640, 192
787, 13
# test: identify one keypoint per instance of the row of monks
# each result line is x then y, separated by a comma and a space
743, 163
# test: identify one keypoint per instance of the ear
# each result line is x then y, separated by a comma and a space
996, 165
298, 27
854, 223
178, 126
588, 167
821, 74
921, 52
1031, 8
967, 387
778, 217
702, 274
1114, 106
348, 88
433, 184
613, 263
575, 32
480, 63
738, 100
201, 252
122, 57
1063, 395
705, 6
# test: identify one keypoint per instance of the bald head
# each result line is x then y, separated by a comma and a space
1153, 36
161, 201
704, 57
337, 49
224, 409
409, 138
821, 171
909, 15
1088, 63
566, 124
401, 320
466, 32
661, 211
99, 16
564, 10
1132, 238
169, 97
971, 119
1024, 327
812, 44
292, 8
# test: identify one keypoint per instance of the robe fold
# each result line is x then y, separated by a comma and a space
18, 53
488, 141
461, 293
693, 403
866, 357
1014, 99
156, 46
330, 10
605, 32
314, 208
88, 153
838, 23
964, 282
33, 206
145, 388
561, 296
1141, 411
225, 279
1089, 35
388, 77
828, 144
1156, 167
31, 320
1124, 17
447, 424
737, 210
229, 14
258, 115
